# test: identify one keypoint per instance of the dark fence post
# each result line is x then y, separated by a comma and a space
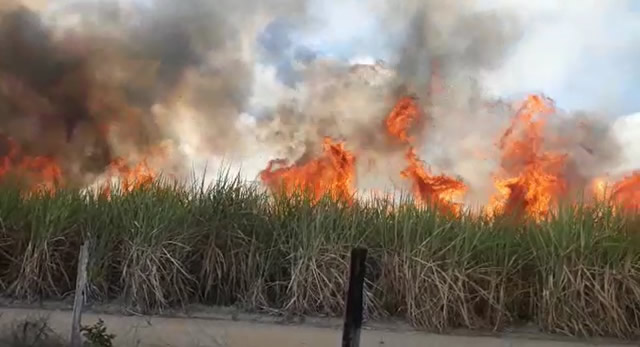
353, 314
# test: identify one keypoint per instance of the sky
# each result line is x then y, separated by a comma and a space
582, 53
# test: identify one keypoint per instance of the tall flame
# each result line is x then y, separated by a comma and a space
441, 190
529, 182
330, 174
533, 179
403, 114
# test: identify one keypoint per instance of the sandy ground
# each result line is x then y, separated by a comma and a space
192, 332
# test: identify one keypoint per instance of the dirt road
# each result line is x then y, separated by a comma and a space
189, 332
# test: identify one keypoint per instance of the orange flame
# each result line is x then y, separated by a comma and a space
134, 177
403, 114
626, 192
599, 188
440, 190
48, 173
42, 173
536, 181
130, 178
331, 174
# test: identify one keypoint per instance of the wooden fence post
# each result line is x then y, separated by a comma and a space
78, 302
353, 314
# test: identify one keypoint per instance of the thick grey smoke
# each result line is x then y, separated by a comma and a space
443, 52
89, 82
432, 40
449, 51
239, 83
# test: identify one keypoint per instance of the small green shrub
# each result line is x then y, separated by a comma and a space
96, 335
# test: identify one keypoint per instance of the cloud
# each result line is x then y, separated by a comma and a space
583, 54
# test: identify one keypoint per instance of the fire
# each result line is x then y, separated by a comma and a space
599, 187
626, 192
529, 182
441, 191
9, 158
48, 173
534, 177
403, 114
331, 174
129, 178
42, 173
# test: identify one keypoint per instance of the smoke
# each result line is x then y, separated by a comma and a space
217, 83
584, 54
84, 83
627, 130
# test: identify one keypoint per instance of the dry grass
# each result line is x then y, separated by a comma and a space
230, 244
30, 333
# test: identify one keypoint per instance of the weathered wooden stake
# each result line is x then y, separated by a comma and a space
78, 302
353, 314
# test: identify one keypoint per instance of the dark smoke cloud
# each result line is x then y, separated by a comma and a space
108, 84
45, 89
100, 81
448, 38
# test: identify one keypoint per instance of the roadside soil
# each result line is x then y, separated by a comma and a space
228, 328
